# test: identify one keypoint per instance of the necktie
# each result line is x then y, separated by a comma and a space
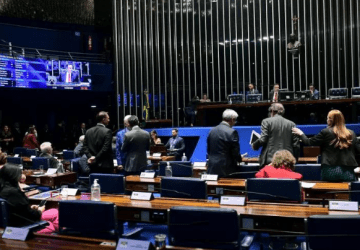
276, 96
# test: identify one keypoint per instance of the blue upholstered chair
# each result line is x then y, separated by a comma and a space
179, 168
4, 218
270, 189
89, 218
14, 160
355, 186
20, 151
40, 161
342, 232
178, 187
109, 183
68, 155
310, 172
31, 152
202, 227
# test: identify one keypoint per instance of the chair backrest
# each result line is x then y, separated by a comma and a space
75, 165
4, 215
158, 149
310, 172
20, 151
355, 186
40, 161
88, 218
332, 225
68, 155
14, 160
31, 152
246, 171
201, 227
179, 168
109, 183
288, 190
311, 151
178, 187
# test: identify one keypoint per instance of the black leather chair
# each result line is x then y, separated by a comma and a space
177, 187
201, 227
269, 189
333, 231
178, 168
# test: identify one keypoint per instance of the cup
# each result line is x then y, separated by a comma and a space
41, 169
64, 193
160, 241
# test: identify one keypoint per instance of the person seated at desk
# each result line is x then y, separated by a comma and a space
79, 148
281, 166
314, 93
252, 90
190, 110
274, 94
175, 145
338, 145
30, 140
46, 152
154, 139
21, 213
205, 98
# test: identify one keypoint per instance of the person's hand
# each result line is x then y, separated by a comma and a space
91, 160
41, 209
297, 131
120, 167
34, 207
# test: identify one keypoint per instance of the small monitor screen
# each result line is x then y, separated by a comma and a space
287, 95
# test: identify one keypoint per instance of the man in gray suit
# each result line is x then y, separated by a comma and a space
276, 134
135, 145
223, 146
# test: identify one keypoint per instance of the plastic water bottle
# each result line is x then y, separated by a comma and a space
95, 191
168, 170
184, 158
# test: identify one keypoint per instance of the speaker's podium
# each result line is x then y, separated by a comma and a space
159, 149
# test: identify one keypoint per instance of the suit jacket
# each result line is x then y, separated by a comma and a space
19, 204
52, 161
254, 91
223, 150
135, 145
330, 155
74, 76
276, 135
98, 143
315, 95
79, 149
179, 147
279, 173
271, 95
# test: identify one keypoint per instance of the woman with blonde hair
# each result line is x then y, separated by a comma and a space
281, 166
338, 146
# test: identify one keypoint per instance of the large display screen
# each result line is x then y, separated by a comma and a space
22, 72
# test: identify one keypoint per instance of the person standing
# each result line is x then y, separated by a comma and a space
97, 145
176, 145
136, 143
276, 134
338, 147
6, 139
223, 146
120, 136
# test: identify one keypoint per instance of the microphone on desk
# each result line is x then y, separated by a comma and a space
169, 190
258, 193
338, 192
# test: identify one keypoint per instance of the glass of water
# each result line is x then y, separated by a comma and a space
64, 193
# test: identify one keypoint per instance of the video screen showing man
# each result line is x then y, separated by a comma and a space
69, 74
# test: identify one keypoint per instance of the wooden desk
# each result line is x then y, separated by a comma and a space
197, 171
318, 192
55, 180
264, 217
45, 242
300, 160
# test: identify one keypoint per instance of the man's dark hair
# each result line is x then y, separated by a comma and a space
100, 116
133, 121
177, 130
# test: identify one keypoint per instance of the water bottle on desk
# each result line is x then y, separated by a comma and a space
168, 170
95, 191
184, 158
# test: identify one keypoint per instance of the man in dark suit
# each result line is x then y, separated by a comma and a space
223, 146
176, 145
97, 145
276, 135
46, 151
82, 130
135, 145
252, 90
314, 92
274, 94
